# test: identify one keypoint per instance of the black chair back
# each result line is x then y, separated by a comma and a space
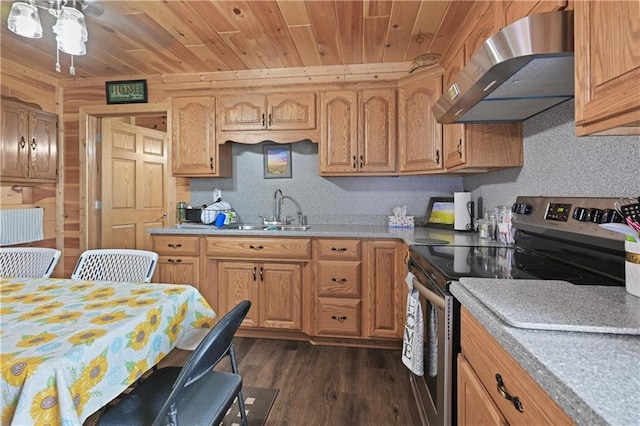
215, 346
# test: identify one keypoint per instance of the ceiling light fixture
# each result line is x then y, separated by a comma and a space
70, 28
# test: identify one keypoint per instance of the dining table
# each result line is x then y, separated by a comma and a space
69, 347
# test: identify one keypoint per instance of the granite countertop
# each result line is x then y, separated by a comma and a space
594, 376
418, 235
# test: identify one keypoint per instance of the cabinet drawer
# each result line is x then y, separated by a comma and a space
338, 317
174, 245
259, 248
488, 358
337, 249
338, 279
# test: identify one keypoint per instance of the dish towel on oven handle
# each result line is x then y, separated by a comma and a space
413, 340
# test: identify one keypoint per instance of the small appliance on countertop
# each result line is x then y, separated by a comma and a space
556, 238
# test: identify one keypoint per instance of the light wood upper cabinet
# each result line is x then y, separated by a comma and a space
250, 112
419, 134
607, 64
358, 134
479, 147
29, 143
195, 152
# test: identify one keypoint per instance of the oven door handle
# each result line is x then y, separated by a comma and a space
432, 297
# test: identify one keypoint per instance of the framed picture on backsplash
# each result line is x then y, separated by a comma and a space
277, 161
440, 213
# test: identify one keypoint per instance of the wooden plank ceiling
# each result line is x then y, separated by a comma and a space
128, 38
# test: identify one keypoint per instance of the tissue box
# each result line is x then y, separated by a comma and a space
401, 221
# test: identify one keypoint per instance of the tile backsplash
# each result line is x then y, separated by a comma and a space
558, 163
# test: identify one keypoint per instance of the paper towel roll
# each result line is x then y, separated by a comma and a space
462, 218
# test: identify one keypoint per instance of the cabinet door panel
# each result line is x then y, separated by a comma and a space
280, 295
43, 146
237, 283
178, 270
475, 406
377, 138
607, 64
292, 111
454, 143
246, 112
420, 135
194, 145
338, 141
15, 142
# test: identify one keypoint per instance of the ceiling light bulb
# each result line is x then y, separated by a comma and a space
71, 31
24, 20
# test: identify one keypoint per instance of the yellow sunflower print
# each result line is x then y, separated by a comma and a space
15, 369
101, 293
64, 317
7, 413
51, 306
33, 315
11, 288
137, 303
6, 310
96, 305
154, 318
109, 318
30, 341
159, 358
15, 299
204, 322
80, 287
45, 409
173, 329
182, 311
136, 369
174, 290
141, 291
37, 298
49, 287
139, 337
92, 373
87, 337
121, 301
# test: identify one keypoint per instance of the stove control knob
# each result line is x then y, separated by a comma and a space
595, 215
581, 214
521, 208
611, 216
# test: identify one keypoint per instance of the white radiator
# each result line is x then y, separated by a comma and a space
18, 226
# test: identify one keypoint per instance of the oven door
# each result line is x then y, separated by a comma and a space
433, 390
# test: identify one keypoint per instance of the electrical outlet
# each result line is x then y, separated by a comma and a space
217, 194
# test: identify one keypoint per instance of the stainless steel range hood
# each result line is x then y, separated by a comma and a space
524, 69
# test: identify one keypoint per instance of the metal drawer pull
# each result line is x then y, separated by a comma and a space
261, 274
23, 143
505, 394
255, 269
260, 247
340, 249
174, 245
339, 280
174, 260
341, 319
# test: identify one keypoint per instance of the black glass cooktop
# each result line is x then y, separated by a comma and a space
511, 262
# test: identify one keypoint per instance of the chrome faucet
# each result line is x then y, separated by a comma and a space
277, 205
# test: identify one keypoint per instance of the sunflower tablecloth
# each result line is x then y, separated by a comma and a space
68, 347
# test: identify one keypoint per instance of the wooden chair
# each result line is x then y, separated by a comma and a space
116, 265
28, 262
192, 395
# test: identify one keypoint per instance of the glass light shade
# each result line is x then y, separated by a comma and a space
24, 20
71, 31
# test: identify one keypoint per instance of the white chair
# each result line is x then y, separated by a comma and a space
28, 262
116, 265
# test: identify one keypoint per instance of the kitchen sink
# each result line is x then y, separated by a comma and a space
247, 227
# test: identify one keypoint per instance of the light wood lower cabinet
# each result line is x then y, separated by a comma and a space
270, 272
274, 289
480, 389
178, 259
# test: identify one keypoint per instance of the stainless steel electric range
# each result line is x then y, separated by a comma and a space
557, 238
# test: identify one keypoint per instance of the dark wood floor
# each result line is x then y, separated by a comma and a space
324, 385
